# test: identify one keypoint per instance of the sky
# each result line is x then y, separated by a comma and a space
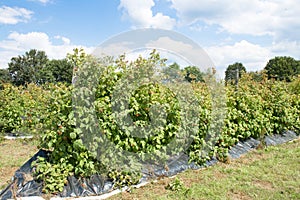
247, 31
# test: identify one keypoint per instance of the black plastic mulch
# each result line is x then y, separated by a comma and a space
97, 185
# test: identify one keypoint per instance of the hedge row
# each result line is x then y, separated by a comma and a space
253, 109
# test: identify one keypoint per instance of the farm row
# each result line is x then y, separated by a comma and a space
253, 109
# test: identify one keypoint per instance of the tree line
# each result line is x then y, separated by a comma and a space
280, 68
35, 67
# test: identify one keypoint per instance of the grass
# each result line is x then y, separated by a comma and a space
271, 173
13, 153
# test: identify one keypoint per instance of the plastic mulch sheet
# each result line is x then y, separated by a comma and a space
97, 185
22, 187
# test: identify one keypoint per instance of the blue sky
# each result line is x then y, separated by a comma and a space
247, 31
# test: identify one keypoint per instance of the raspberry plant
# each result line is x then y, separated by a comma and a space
70, 131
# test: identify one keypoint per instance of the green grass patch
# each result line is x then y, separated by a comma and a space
270, 173
13, 154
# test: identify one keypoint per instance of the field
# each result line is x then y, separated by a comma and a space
13, 153
61, 115
271, 173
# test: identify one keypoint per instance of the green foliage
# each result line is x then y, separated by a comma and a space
173, 71
68, 154
147, 106
29, 68
124, 178
140, 106
192, 73
53, 175
139, 109
4, 77
234, 72
22, 109
60, 71
257, 76
294, 102
294, 86
257, 109
77, 59
282, 68
35, 67
195, 150
64, 115
177, 186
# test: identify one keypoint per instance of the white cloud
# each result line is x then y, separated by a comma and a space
254, 57
64, 39
17, 44
9, 15
35, 40
277, 19
139, 12
5, 58
112, 49
286, 48
184, 51
255, 17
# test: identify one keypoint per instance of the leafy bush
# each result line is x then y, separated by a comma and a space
257, 109
68, 154
23, 109
78, 121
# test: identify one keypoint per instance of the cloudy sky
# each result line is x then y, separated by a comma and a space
247, 31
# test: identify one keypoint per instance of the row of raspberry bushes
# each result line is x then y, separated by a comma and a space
254, 109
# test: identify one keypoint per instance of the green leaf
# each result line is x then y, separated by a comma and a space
72, 135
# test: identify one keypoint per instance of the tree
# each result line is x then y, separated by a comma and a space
61, 71
257, 76
193, 73
282, 68
173, 71
234, 72
28, 68
77, 60
4, 77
